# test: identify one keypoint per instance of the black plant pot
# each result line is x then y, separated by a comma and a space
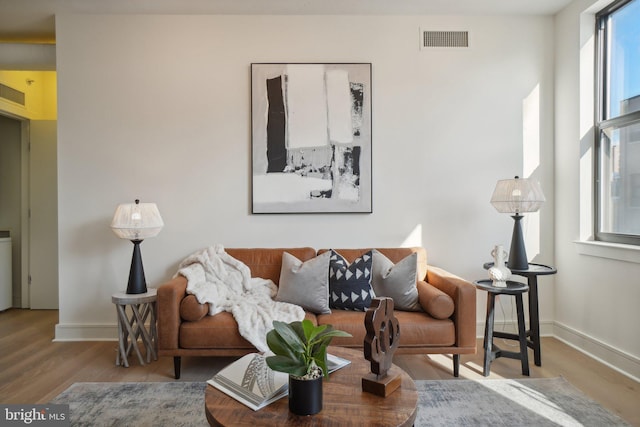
305, 396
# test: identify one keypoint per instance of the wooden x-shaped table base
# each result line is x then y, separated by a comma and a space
131, 326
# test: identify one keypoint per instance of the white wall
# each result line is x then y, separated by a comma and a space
596, 296
43, 220
158, 108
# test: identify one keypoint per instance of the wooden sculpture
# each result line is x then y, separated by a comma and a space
381, 341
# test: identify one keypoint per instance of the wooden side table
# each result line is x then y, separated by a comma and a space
132, 326
492, 351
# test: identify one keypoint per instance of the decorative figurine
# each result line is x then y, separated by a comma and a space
381, 341
499, 273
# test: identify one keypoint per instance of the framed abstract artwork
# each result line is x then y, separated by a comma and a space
311, 137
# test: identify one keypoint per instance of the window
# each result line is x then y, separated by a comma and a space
617, 186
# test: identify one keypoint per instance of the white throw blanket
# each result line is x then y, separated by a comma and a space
225, 283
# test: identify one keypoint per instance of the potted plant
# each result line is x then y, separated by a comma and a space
300, 350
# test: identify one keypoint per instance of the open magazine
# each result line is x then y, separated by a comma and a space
250, 381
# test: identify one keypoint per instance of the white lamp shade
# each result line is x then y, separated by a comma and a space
517, 195
137, 221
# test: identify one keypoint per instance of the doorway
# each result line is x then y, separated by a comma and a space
11, 197
28, 208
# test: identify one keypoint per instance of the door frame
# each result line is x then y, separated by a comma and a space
24, 206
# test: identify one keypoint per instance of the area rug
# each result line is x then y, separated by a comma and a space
532, 402
153, 404
527, 402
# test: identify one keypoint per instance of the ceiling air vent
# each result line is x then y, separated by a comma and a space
444, 39
11, 94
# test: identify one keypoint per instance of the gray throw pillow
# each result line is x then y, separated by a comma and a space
305, 283
396, 281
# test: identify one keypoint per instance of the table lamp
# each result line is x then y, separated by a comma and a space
516, 196
136, 222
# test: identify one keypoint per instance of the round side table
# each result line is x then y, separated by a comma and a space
532, 274
492, 351
132, 326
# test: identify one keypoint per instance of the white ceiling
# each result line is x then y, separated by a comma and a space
33, 20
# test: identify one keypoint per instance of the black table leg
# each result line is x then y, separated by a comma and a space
488, 333
522, 334
534, 320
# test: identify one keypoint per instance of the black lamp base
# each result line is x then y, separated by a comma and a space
137, 283
517, 253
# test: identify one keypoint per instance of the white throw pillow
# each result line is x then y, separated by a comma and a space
305, 283
396, 281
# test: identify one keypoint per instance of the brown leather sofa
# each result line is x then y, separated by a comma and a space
185, 330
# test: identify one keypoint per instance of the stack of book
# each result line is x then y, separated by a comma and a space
250, 381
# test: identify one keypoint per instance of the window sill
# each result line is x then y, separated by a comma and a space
619, 252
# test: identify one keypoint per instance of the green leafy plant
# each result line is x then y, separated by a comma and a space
300, 348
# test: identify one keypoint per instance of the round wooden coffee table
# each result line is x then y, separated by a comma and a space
344, 402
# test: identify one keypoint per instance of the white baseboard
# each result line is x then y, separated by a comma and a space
614, 358
82, 332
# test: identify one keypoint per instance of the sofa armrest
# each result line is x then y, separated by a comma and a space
170, 296
463, 294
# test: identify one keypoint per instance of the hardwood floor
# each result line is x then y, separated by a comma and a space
33, 369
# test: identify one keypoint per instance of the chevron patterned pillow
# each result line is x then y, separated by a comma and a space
350, 284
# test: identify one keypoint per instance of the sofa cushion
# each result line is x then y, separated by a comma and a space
396, 281
305, 283
219, 331
267, 262
191, 310
350, 284
417, 329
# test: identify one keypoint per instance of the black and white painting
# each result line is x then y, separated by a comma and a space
311, 137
